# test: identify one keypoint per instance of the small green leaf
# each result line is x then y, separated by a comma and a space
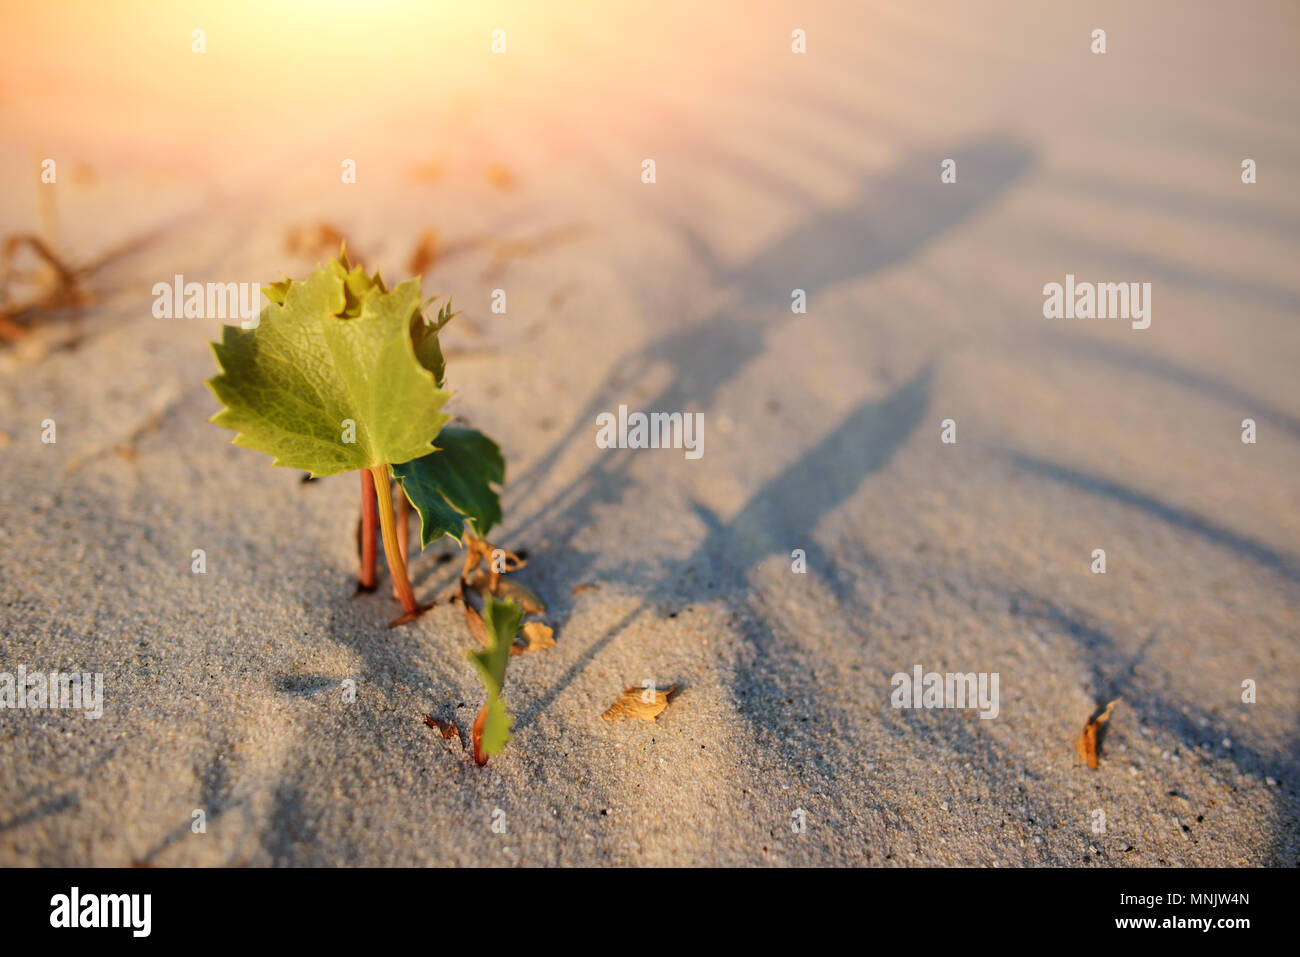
331, 350
502, 620
496, 727
455, 483
427, 349
424, 334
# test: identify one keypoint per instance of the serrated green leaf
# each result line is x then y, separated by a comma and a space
424, 335
277, 291
427, 348
502, 620
455, 483
332, 348
445, 315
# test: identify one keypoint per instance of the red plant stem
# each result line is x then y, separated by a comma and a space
403, 531
391, 551
369, 532
477, 736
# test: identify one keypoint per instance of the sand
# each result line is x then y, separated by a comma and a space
227, 692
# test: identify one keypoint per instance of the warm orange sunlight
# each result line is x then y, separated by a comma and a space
741, 435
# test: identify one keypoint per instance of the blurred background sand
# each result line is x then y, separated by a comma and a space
775, 171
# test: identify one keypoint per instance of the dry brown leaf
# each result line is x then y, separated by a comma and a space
447, 729
1089, 743
473, 619
83, 174
10, 330
632, 704
500, 177
425, 253
586, 586
317, 239
526, 597
478, 551
473, 578
537, 637
430, 172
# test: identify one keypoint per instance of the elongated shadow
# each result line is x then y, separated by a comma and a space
892, 217
783, 511
1135, 262
1275, 561
1115, 673
1210, 208
1158, 367
64, 802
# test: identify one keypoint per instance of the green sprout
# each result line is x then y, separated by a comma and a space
342, 374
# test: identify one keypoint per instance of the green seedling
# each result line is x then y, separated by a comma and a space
502, 621
341, 374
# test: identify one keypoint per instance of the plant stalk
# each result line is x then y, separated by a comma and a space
391, 550
369, 531
477, 737
403, 531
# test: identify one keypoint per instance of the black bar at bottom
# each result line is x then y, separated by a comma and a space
333, 907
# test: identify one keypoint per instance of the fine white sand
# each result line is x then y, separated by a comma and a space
225, 691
